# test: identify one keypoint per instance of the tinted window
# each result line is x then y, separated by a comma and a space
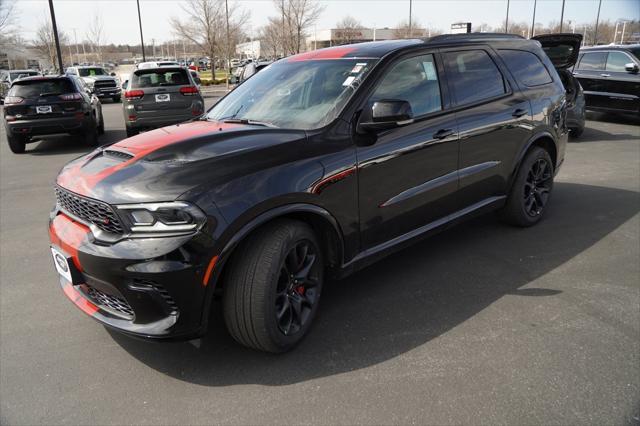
616, 61
90, 72
35, 88
526, 67
414, 80
159, 77
635, 51
23, 74
593, 61
474, 76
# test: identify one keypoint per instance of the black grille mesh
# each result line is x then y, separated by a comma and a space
96, 212
117, 154
161, 291
110, 303
104, 83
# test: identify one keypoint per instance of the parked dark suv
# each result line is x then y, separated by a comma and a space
610, 76
37, 106
317, 165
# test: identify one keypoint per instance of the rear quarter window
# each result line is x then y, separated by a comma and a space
35, 88
474, 76
159, 77
526, 67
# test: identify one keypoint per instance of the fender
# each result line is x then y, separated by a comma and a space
533, 139
253, 224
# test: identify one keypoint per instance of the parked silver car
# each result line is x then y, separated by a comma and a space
7, 77
157, 97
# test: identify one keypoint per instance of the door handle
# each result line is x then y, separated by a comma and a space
605, 75
519, 112
443, 133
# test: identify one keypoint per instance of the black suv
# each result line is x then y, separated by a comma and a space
320, 164
610, 78
37, 106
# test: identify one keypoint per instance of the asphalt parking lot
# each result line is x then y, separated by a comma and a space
481, 324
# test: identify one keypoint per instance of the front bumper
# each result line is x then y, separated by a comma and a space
110, 92
147, 287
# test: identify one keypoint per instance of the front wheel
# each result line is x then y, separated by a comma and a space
531, 190
116, 99
272, 291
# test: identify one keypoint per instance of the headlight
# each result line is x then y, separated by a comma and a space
177, 217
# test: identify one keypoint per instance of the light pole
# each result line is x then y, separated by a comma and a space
506, 21
533, 21
562, 16
595, 34
226, 9
410, 28
144, 57
55, 36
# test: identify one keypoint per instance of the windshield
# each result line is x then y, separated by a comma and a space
635, 51
301, 95
90, 72
40, 87
15, 75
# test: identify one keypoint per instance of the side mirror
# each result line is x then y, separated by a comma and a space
113, 74
631, 67
387, 114
125, 84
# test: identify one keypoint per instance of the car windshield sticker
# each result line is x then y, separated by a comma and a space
348, 81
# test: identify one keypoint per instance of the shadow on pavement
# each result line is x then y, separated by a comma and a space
614, 117
409, 298
592, 134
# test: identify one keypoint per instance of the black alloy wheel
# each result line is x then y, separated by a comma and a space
296, 292
537, 187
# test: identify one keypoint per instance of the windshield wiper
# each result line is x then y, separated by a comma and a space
249, 121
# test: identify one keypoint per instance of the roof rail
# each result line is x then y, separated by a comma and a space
472, 36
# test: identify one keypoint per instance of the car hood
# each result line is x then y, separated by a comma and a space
162, 164
562, 48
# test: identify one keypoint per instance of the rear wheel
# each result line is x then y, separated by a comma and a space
576, 132
91, 135
116, 99
531, 189
101, 124
17, 144
272, 291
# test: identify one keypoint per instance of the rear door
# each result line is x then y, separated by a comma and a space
622, 86
494, 121
164, 92
589, 72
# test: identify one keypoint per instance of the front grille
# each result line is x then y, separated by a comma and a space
92, 211
104, 84
113, 304
166, 297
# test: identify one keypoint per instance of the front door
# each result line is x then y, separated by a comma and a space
408, 177
622, 86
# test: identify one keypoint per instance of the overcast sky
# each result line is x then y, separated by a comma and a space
121, 25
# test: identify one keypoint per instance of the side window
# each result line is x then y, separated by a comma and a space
616, 61
473, 75
592, 61
414, 80
526, 67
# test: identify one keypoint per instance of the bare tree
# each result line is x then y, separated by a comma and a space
270, 37
205, 26
299, 16
45, 43
349, 30
95, 35
404, 30
7, 19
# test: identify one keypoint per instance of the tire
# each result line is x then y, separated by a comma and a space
17, 144
101, 124
116, 99
91, 135
265, 307
131, 132
525, 207
576, 132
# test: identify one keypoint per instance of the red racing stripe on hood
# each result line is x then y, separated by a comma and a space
77, 299
69, 236
76, 180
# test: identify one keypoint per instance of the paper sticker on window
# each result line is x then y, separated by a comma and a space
430, 70
348, 81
